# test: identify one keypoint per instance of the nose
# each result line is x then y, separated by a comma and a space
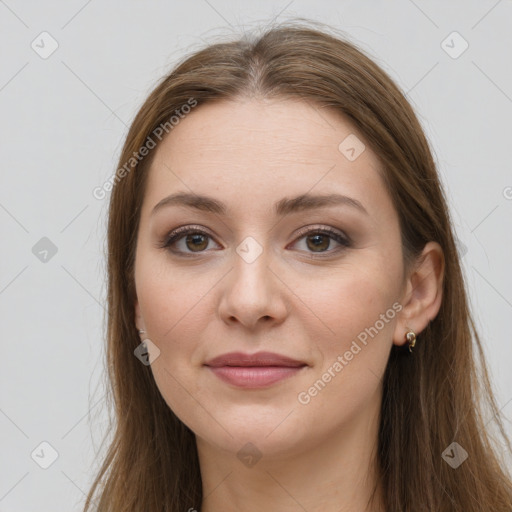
252, 293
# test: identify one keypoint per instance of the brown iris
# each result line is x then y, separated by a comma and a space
318, 243
195, 239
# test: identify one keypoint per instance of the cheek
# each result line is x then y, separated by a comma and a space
172, 303
175, 316
354, 300
358, 308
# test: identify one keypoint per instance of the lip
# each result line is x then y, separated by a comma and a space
258, 370
257, 359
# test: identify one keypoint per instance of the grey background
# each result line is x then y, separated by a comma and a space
63, 119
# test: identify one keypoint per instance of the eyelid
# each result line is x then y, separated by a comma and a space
319, 228
338, 236
186, 228
181, 231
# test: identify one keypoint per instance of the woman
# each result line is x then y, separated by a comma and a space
288, 325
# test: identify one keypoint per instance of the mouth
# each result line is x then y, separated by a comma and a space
259, 370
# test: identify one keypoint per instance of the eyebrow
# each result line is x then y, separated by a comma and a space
282, 207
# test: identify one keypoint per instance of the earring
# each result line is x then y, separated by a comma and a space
142, 331
410, 337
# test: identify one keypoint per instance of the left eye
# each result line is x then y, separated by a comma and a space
197, 241
319, 240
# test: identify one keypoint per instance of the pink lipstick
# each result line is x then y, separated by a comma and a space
254, 370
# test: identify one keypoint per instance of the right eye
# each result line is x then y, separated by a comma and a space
187, 240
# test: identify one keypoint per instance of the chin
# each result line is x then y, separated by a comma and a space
253, 434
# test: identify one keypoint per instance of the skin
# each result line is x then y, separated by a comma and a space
293, 299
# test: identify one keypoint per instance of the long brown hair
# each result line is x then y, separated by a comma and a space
437, 397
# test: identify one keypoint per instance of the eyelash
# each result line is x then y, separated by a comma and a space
179, 233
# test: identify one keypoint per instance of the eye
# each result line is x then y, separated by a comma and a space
187, 237
188, 240
319, 240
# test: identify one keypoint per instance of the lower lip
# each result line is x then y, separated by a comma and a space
254, 376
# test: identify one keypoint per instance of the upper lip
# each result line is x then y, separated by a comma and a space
257, 359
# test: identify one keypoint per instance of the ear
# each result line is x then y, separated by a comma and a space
423, 293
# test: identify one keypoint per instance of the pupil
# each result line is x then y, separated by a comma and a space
318, 241
194, 239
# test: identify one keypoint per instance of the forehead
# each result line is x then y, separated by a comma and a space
252, 151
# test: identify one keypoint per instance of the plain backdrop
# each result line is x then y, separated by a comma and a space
72, 76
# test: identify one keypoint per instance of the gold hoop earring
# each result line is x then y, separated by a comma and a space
410, 337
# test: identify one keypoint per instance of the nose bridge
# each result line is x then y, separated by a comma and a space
251, 269
250, 250
251, 291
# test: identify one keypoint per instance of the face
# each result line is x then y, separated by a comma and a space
252, 270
